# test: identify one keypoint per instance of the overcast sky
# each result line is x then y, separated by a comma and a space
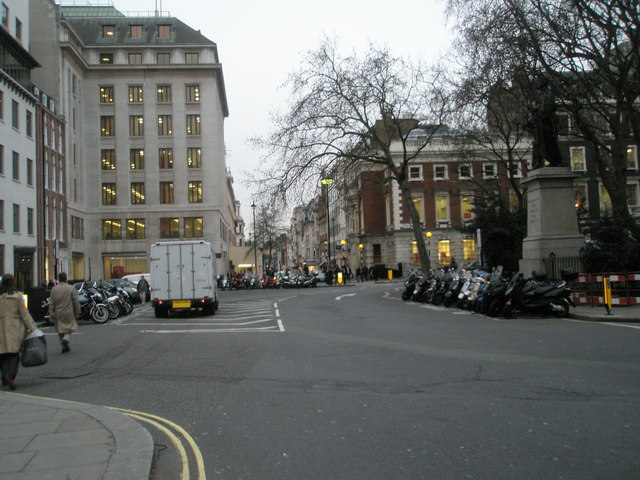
260, 42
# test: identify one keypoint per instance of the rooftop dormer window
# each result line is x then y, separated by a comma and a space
164, 31
135, 31
108, 31
5, 15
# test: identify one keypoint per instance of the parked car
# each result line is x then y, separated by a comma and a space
134, 278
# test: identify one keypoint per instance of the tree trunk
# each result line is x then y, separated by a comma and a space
416, 226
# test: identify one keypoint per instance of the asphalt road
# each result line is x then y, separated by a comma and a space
351, 382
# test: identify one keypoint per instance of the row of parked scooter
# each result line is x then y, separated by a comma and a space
278, 280
98, 303
495, 293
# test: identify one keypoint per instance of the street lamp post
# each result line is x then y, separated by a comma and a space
255, 245
429, 247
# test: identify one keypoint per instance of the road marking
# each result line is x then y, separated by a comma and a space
345, 295
158, 423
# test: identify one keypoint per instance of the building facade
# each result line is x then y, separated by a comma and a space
144, 101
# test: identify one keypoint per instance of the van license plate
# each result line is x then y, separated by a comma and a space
181, 304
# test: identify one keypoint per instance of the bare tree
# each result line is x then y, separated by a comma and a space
351, 110
589, 51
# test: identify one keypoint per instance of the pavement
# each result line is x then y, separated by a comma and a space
57, 440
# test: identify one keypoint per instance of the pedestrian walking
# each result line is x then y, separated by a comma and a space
15, 322
64, 310
143, 289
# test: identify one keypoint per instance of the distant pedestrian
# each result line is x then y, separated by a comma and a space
15, 322
143, 289
64, 310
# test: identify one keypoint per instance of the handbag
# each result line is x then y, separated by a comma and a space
33, 351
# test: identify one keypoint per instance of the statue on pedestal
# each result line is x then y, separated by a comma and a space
543, 124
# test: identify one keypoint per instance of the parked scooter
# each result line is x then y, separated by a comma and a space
410, 284
539, 296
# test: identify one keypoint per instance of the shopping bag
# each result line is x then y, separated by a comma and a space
33, 351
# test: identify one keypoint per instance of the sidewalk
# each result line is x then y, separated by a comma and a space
599, 313
56, 440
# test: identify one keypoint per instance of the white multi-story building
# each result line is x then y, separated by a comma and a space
18, 202
145, 102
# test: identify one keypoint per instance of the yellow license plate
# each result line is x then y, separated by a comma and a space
181, 304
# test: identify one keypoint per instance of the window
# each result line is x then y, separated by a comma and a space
135, 31
108, 31
164, 31
1, 159
5, 15
194, 157
16, 166
195, 192
77, 227
632, 158
465, 171
108, 194
193, 227
165, 157
415, 174
18, 29
417, 202
136, 126
29, 172
164, 94
135, 59
106, 94
136, 157
107, 126
515, 170
632, 197
108, 159
605, 201
29, 119
137, 193
15, 115
377, 253
440, 172
169, 228
469, 253
193, 124
577, 156
135, 228
163, 58
191, 57
442, 207
444, 252
106, 58
1, 215
193, 93
29, 221
466, 207
16, 218
135, 94
1, 105
488, 170
166, 192
165, 125
112, 229
581, 198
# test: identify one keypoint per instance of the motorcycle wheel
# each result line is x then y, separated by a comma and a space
438, 298
406, 295
114, 311
560, 309
100, 314
493, 310
507, 311
448, 302
128, 307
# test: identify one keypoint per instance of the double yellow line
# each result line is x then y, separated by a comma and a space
168, 428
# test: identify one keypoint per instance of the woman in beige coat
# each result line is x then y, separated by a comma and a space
15, 322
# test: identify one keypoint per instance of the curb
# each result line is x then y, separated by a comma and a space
133, 454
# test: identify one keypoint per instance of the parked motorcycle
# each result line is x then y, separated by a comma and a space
410, 284
536, 295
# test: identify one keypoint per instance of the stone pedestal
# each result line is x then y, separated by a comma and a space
552, 224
